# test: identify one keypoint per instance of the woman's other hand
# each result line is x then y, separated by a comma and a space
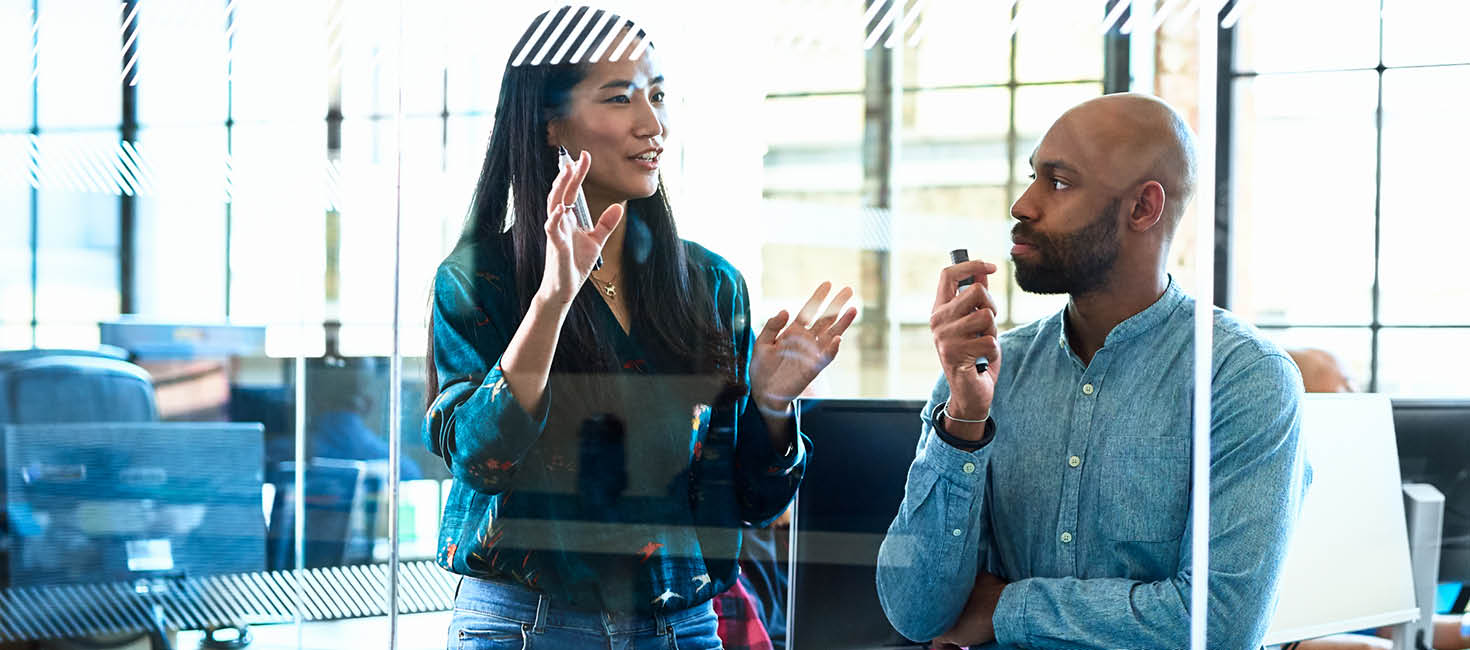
789, 355
571, 251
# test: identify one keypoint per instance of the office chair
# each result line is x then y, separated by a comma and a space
71, 386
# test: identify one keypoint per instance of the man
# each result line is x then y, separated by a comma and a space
1048, 504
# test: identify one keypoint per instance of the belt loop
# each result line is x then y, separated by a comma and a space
660, 622
542, 604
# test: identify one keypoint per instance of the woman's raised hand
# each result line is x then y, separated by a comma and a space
571, 251
788, 356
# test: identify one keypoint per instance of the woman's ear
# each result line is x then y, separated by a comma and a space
553, 133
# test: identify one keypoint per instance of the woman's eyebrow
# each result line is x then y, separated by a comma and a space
624, 83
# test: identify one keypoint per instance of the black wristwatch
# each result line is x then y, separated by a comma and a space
960, 443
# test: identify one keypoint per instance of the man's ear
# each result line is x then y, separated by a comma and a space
1148, 207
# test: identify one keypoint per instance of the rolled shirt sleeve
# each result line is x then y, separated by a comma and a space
476, 424
929, 558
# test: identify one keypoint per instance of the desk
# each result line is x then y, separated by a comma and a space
427, 631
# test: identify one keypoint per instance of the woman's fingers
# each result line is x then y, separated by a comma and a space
558, 184
580, 166
834, 308
836, 330
809, 310
772, 328
607, 223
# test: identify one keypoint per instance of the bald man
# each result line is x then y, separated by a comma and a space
1322, 371
1048, 504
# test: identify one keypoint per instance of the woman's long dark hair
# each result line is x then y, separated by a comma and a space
670, 303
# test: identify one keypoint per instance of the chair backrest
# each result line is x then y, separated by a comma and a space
73, 386
1352, 528
847, 499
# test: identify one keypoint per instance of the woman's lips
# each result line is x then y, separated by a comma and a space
649, 165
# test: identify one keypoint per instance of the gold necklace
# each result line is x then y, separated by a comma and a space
608, 288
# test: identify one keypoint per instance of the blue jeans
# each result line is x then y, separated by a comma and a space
490, 615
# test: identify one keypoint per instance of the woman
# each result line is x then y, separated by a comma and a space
607, 438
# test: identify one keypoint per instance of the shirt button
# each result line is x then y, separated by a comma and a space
1087, 389
969, 468
1066, 538
957, 532
1074, 461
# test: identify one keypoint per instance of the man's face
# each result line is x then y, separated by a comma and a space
1067, 231
1073, 262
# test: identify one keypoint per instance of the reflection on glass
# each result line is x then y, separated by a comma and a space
1423, 362
280, 51
181, 68
1270, 35
280, 184
77, 265
1422, 255
1282, 204
1058, 40
961, 43
1418, 32
80, 49
15, 236
180, 258
15, 65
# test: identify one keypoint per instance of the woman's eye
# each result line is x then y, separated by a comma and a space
618, 99
659, 96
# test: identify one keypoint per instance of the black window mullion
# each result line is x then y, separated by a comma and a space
1117, 75
35, 193
1377, 321
127, 205
1013, 144
1224, 133
229, 153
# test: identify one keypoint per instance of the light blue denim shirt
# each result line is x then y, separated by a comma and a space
1082, 499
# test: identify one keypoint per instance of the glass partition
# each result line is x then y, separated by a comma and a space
289, 351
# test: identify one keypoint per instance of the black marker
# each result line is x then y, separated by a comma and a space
955, 257
579, 207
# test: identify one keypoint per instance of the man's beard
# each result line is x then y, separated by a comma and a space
1073, 263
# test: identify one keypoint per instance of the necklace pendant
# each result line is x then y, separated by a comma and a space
610, 290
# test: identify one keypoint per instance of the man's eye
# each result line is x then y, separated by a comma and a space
1031, 176
1059, 184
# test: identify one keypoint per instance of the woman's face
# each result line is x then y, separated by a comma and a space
617, 114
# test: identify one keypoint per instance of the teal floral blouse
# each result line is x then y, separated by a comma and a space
628, 500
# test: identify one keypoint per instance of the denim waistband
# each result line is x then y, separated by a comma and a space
529, 607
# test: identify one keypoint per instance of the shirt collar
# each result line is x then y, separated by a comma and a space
1136, 324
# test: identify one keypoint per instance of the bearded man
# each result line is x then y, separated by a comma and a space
1048, 504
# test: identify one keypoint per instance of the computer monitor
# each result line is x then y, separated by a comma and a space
1434, 447
340, 504
852, 488
107, 502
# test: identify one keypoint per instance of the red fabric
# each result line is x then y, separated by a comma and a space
739, 627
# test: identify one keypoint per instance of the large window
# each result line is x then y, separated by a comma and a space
980, 82
1343, 174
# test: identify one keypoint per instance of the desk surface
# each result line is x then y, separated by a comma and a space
427, 631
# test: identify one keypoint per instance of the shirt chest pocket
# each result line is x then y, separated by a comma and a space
1143, 491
